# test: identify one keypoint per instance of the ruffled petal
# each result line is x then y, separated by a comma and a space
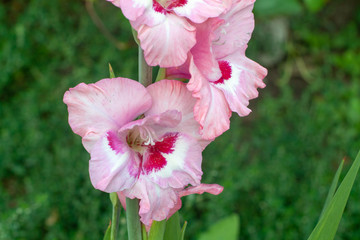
199, 189
113, 166
106, 105
236, 30
157, 122
153, 15
155, 202
171, 94
203, 56
181, 72
246, 77
199, 11
168, 43
173, 161
132, 9
122, 199
214, 189
211, 109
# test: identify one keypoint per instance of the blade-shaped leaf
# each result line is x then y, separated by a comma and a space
329, 222
227, 228
183, 231
332, 190
172, 230
157, 230
111, 71
108, 232
144, 233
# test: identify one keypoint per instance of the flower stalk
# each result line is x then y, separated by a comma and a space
133, 219
132, 205
145, 71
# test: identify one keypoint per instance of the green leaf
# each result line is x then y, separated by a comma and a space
135, 35
227, 228
115, 215
111, 71
172, 230
157, 230
332, 190
329, 222
161, 74
108, 232
144, 233
315, 5
183, 231
267, 8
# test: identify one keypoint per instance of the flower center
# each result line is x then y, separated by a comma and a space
153, 151
158, 7
226, 71
164, 6
140, 137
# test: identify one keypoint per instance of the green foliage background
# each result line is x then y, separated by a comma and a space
276, 165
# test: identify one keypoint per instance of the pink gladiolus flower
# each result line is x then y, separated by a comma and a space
223, 79
143, 142
166, 27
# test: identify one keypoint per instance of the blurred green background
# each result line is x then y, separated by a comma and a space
276, 165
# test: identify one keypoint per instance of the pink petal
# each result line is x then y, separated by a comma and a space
150, 17
204, 58
171, 94
155, 202
106, 105
236, 30
113, 165
211, 109
132, 9
179, 72
168, 119
246, 77
122, 199
168, 43
174, 161
200, 189
199, 11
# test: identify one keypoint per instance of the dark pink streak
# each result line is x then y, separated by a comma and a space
158, 8
114, 142
156, 160
177, 3
226, 71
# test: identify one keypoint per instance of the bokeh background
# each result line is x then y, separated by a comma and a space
276, 165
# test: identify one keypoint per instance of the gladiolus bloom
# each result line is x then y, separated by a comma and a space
166, 27
143, 142
223, 79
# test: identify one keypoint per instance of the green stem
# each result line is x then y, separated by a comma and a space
115, 215
133, 219
145, 71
